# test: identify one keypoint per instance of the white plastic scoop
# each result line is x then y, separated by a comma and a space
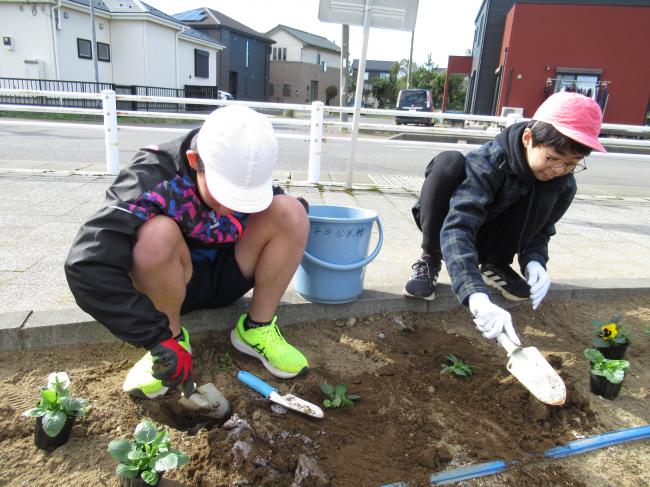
289, 401
530, 368
207, 400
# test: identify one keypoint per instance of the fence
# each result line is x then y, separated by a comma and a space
21, 84
315, 123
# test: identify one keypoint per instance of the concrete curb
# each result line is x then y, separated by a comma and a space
30, 330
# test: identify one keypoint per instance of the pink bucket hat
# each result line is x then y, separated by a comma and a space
574, 115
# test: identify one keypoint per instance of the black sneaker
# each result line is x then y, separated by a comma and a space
422, 283
511, 284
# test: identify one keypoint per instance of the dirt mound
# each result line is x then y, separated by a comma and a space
412, 420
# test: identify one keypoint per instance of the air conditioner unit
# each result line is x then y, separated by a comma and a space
8, 42
518, 111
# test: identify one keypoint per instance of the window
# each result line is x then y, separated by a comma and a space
201, 63
84, 49
103, 52
318, 58
585, 84
286, 90
366, 75
384, 75
279, 54
246, 53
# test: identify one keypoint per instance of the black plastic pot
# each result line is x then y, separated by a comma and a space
615, 351
45, 442
602, 387
137, 481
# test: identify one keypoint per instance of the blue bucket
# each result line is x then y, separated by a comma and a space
336, 256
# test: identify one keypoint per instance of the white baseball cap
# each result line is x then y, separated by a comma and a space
239, 150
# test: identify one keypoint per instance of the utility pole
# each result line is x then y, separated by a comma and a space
408, 74
93, 42
345, 66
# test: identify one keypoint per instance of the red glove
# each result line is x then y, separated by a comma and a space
173, 365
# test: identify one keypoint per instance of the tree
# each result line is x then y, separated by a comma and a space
384, 92
457, 92
330, 93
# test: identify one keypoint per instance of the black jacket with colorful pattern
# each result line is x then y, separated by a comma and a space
497, 176
159, 181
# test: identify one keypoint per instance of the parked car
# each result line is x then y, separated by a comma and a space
224, 95
414, 100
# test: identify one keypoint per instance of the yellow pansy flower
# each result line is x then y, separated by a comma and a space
608, 331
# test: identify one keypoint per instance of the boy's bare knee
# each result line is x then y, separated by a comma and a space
290, 215
159, 240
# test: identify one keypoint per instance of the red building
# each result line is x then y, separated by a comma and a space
602, 51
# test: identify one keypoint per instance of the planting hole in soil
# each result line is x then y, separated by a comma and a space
412, 420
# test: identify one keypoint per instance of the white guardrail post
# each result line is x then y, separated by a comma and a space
110, 132
315, 142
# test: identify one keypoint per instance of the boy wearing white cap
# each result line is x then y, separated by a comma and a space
477, 211
193, 224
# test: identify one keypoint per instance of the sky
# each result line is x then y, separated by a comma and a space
443, 27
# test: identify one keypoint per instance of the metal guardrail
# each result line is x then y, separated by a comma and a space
316, 122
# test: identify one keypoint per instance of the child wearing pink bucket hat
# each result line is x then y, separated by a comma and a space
194, 223
476, 211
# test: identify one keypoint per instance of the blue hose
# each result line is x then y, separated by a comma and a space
572, 448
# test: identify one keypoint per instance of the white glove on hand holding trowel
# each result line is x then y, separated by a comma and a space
490, 319
538, 280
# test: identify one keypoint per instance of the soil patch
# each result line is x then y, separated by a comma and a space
412, 420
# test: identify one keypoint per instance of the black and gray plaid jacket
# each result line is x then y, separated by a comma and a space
498, 176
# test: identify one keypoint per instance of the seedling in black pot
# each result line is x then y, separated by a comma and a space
56, 412
607, 375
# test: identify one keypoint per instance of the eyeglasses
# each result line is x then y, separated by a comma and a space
567, 167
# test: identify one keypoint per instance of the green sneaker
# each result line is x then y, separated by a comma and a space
267, 344
140, 381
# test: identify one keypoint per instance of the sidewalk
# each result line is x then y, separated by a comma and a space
601, 249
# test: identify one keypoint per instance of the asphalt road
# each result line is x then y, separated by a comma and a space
65, 148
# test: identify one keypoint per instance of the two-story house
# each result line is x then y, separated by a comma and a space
303, 65
52, 40
243, 65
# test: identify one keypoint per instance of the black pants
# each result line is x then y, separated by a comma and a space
498, 240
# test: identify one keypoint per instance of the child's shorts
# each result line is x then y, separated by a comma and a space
216, 279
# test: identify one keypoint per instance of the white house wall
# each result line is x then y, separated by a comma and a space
161, 55
31, 31
310, 55
186, 68
77, 25
128, 53
293, 45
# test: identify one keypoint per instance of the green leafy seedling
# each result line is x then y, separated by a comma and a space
224, 363
56, 405
146, 455
337, 396
458, 367
612, 370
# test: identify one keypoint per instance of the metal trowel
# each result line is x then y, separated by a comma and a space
289, 401
530, 368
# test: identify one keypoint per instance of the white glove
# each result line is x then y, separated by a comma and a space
490, 319
538, 280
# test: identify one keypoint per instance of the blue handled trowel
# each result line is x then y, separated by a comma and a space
289, 401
